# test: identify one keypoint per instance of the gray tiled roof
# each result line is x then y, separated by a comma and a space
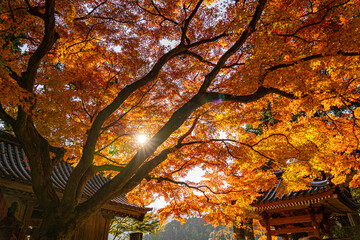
317, 187
14, 166
273, 195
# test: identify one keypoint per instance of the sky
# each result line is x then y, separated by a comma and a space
194, 175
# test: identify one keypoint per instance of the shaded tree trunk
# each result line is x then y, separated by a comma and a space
245, 231
53, 230
56, 226
136, 236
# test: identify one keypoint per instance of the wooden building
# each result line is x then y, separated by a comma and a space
306, 211
17, 195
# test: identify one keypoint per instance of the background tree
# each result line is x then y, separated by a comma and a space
80, 80
193, 228
120, 228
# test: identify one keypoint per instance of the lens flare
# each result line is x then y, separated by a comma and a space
141, 138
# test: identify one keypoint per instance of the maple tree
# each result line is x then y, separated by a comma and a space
81, 79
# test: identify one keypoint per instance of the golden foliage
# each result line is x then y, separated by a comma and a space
307, 50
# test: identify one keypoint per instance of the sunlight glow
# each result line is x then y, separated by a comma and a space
141, 138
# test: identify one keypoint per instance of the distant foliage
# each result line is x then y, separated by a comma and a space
194, 228
342, 228
122, 227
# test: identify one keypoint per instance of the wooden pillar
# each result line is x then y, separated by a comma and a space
268, 227
107, 228
315, 224
26, 219
108, 216
136, 236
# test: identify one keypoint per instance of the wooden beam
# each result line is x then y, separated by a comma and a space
296, 219
292, 230
5, 183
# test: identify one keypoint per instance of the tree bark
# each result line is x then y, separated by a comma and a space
54, 228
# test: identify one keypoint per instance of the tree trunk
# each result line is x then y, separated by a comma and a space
245, 231
136, 236
53, 231
57, 227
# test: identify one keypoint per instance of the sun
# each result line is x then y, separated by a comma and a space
141, 138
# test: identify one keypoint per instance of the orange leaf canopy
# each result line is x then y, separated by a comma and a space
235, 58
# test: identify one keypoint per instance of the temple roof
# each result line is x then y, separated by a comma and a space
15, 167
319, 191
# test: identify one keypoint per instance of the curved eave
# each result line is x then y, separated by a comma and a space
121, 210
347, 200
295, 202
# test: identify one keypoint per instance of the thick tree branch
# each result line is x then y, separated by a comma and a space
108, 167
158, 13
82, 183
250, 29
188, 20
6, 117
94, 132
162, 15
37, 150
315, 23
86, 207
201, 59
36, 147
260, 93
35, 10
89, 147
132, 171
207, 40
7, 137
50, 37
13, 74
181, 139
137, 168
301, 60
59, 154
